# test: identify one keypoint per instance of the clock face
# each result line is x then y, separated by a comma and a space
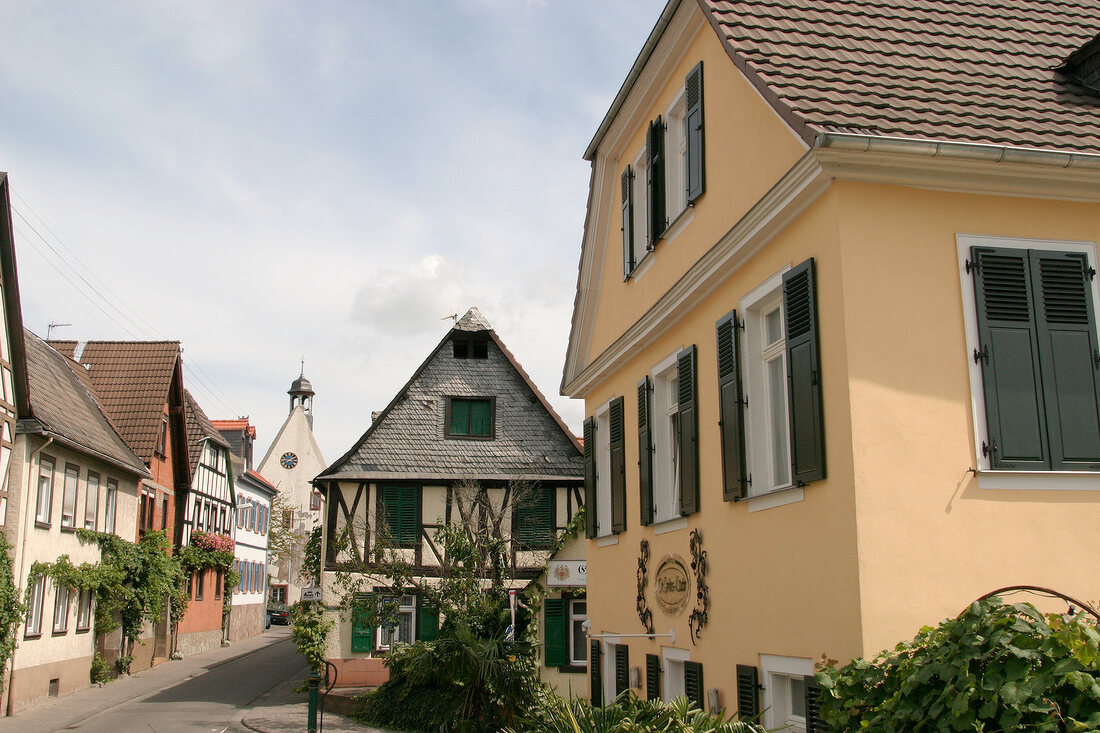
288, 460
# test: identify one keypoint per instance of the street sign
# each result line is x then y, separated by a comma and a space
311, 594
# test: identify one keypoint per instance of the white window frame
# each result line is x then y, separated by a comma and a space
603, 474
640, 208
110, 506
84, 611
764, 492
61, 604
778, 672
988, 478
675, 119
672, 668
664, 417
384, 635
35, 603
573, 616
91, 501
47, 469
70, 496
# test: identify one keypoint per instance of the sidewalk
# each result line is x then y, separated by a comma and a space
284, 711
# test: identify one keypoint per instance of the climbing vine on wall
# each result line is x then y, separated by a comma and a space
11, 609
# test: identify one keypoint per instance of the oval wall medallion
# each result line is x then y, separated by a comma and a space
671, 584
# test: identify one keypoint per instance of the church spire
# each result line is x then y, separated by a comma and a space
301, 393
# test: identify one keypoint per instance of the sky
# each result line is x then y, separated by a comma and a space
268, 182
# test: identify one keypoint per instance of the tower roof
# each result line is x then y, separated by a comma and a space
301, 385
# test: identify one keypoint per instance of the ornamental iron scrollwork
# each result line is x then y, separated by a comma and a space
701, 613
644, 614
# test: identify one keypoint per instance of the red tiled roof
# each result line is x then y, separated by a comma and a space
132, 380
978, 71
242, 424
257, 477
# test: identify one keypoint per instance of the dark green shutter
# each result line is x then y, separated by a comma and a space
590, 477
595, 654
555, 638
481, 417
362, 634
401, 514
1009, 356
748, 700
731, 407
460, 417
814, 723
688, 428
622, 669
652, 677
693, 120
804, 400
429, 622
617, 436
628, 222
655, 181
534, 519
693, 683
645, 451
1069, 358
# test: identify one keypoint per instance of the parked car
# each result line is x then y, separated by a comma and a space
278, 613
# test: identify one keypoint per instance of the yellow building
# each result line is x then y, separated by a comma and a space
835, 332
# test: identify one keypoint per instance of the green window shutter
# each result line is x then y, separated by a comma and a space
481, 417
362, 634
693, 120
652, 677
460, 417
595, 658
748, 699
590, 477
400, 512
622, 669
428, 621
804, 401
555, 638
628, 222
693, 683
731, 410
655, 181
688, 428
814, 723
645, 451
1009, 356
534, 519
618, 465
1069, 358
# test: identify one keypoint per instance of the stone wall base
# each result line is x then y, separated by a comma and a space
247, 621
198, 642
31, 685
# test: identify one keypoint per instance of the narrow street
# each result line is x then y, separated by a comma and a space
246, 686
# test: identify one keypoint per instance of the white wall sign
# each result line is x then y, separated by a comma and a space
567, 573
311, 594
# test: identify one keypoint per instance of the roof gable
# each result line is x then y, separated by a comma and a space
199, 429
407, 440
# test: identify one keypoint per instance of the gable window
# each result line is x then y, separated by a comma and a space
162, 439
1032, 338
399, 513
770, 390
91, 502
534, 519
471, 417
45, 490
69, 496
109, 506
470, 348
667, 177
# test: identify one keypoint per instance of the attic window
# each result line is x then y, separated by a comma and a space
1083, 65
470, 349
471, 418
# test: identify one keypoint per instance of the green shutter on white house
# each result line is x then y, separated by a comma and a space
590, 477
617, 435
731, 408
362, 633
428, 621
555, 638
804, 398
645, 451
693, 121
688, 429
534, 519
400, 511
627, 182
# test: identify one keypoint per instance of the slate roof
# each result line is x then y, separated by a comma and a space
64, 407
976, 71
199, 428
407, 440
132, 379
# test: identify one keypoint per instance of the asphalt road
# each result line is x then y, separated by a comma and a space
207, 693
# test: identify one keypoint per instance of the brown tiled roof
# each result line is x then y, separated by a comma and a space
199, 428
63, 407
132, 379
980, 71
242, 424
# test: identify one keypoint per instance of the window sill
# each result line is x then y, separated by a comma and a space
42, 525
1038, 480
678, 224
774, 498
574, 669
84, 631
63, 632
670, 525
607, 540
68, 528
27, 637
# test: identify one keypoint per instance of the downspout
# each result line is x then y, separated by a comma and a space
23, 548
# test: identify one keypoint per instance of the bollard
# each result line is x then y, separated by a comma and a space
314, 681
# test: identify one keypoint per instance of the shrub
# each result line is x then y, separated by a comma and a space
994, 668
627, 714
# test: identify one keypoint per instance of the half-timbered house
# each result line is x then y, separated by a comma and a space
468, 439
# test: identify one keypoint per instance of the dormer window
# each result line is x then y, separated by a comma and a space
1083, 65
470, 348
471, 417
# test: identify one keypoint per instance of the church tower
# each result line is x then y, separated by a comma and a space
291, 463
